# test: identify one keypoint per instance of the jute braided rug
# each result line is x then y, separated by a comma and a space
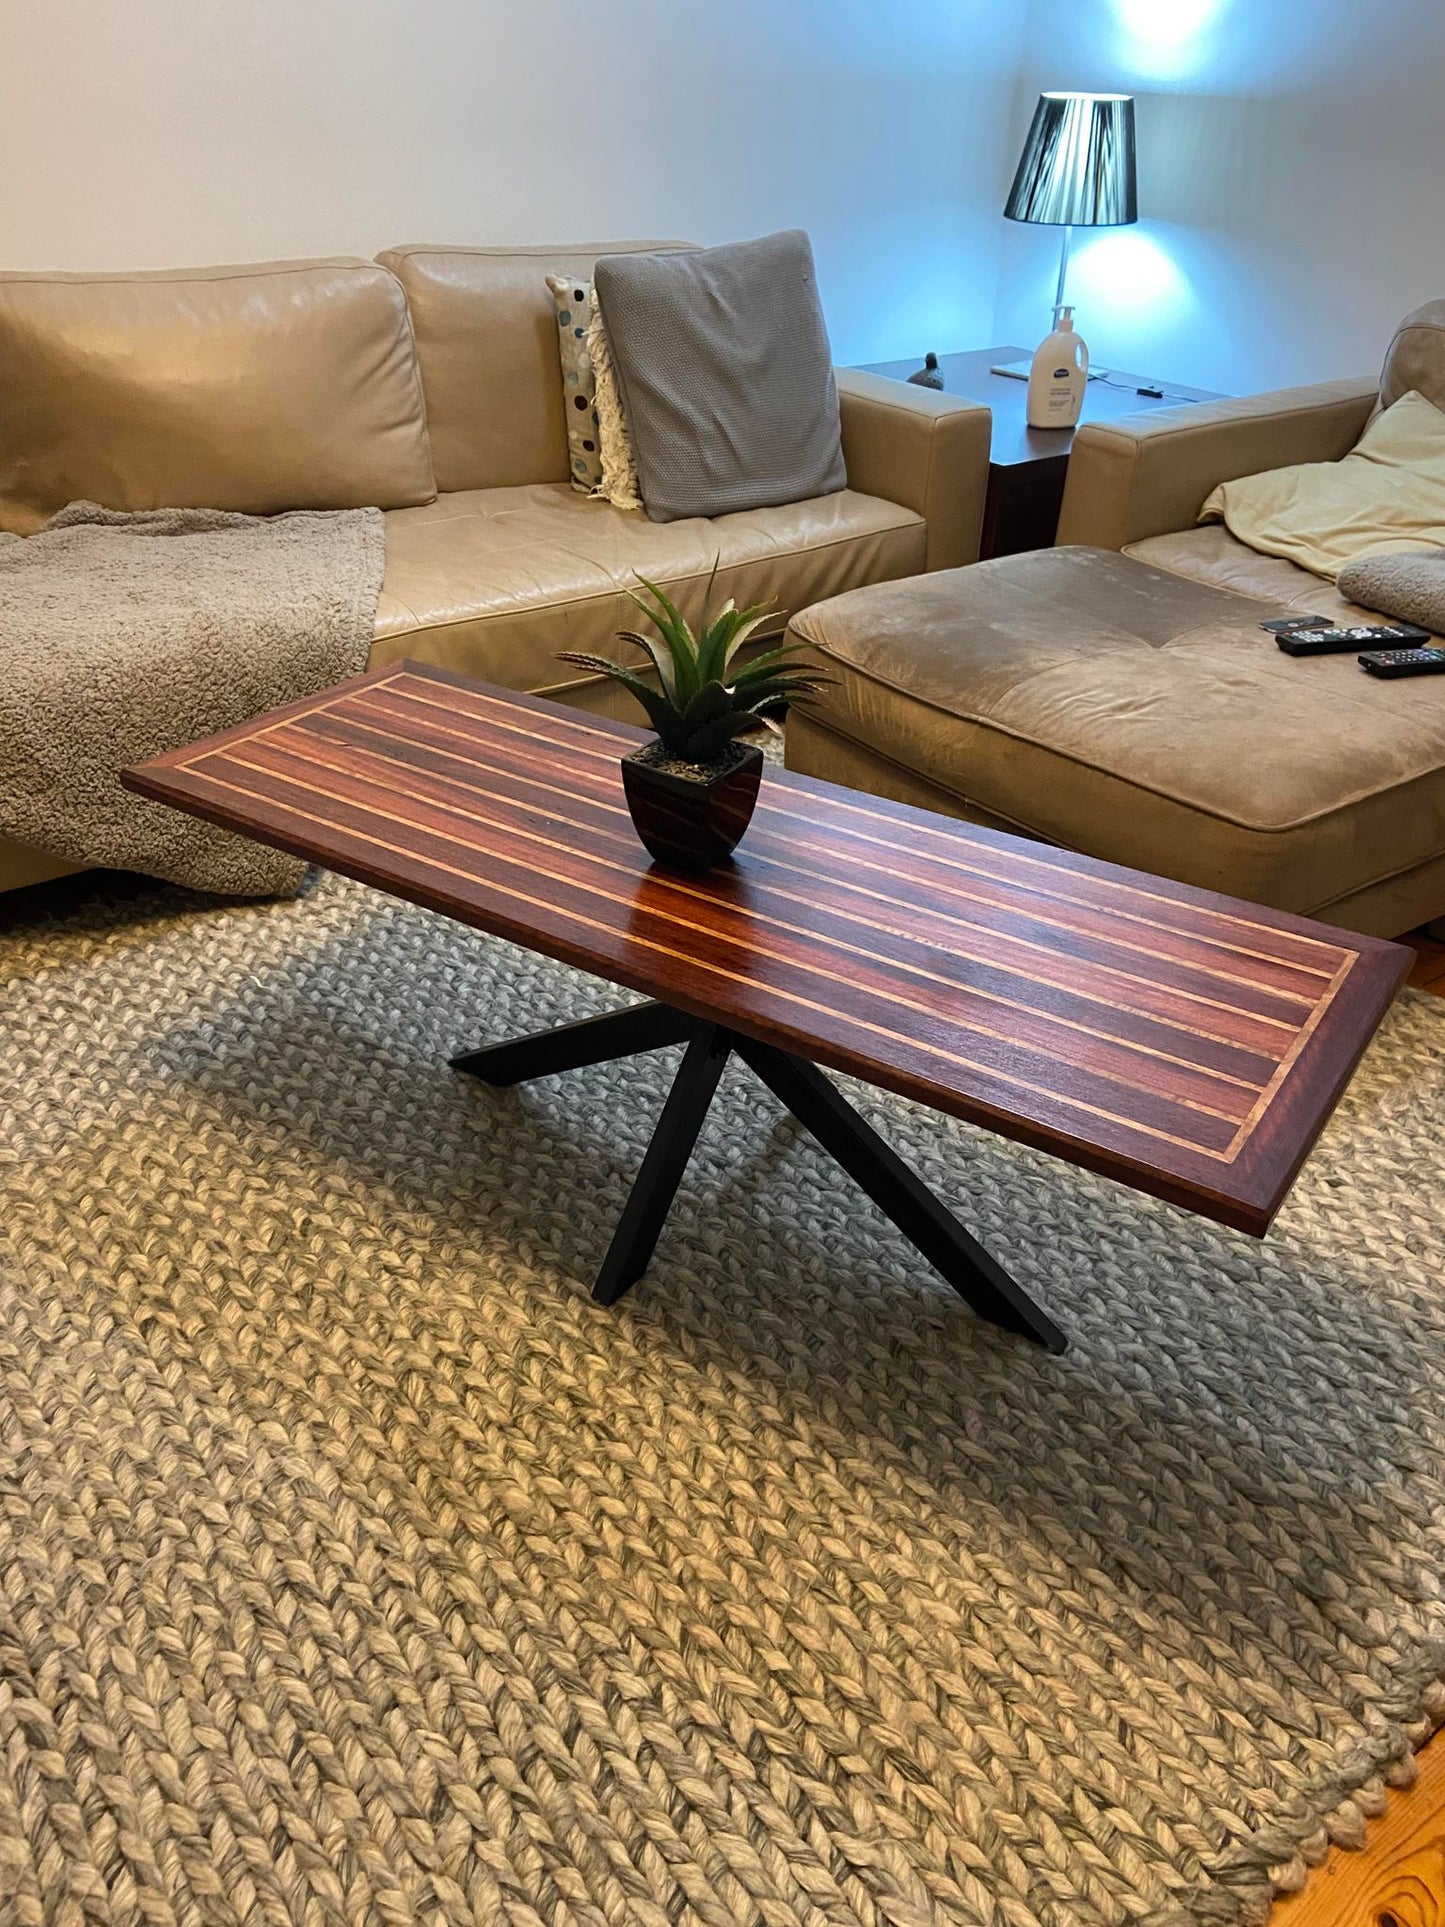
355, 1568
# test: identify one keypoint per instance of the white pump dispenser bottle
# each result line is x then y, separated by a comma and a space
1058, 377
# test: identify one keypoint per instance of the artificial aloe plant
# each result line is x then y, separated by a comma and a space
703, 702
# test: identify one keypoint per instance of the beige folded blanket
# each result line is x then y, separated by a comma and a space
1410, 588
1387, 493
125, 635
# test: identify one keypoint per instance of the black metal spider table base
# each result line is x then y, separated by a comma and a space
813, 1100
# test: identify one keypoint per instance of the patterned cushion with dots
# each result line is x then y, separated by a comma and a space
573, 302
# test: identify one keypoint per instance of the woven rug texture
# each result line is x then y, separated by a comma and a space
355, 1568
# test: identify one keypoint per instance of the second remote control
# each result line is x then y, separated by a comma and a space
1403, 662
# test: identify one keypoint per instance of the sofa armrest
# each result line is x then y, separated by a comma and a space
1150, 474
923, 450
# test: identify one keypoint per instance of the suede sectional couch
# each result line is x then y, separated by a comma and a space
1115, 694
426, 383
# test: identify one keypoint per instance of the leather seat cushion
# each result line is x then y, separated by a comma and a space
486, 341
493, 582
1215, 556
1141, 716
289, 385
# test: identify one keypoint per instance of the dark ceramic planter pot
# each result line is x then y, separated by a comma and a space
691, 822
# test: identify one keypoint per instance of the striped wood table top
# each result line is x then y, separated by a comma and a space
1189, 1044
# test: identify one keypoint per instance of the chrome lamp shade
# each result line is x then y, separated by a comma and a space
1077, 168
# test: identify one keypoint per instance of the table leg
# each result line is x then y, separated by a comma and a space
899, 1193
812, 1098
568, 1047
656, 1183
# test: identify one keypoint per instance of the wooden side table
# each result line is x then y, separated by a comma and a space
1027, 465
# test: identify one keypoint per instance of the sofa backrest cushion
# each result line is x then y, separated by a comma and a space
288, 385
1416, 357
486, 333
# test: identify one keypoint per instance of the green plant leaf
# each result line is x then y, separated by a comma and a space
660, 712
727, 636
659, 657
749, 622
781, 686
671, 616
712, 702
678, 638
707, 594
712, 651
683, 657
768, 660
707, 744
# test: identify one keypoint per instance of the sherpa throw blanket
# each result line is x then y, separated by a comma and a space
122, 635
1410, 588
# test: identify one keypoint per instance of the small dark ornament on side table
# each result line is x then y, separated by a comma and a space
691, 792
930, 375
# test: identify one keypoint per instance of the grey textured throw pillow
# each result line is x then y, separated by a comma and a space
726, 374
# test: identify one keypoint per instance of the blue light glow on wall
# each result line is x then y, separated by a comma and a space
1167, 40
1129, 271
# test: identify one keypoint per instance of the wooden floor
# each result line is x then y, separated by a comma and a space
1399, 1878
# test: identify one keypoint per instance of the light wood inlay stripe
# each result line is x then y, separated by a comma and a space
955, 1060
976, 922
621, 895
769, 881
981, 887
826, 942
601, 744
860, 906
1032, 900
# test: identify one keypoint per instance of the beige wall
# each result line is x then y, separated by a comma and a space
162, 132
1292, 176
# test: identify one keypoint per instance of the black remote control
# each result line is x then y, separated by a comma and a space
1330, 642
1320, 625
1404, 662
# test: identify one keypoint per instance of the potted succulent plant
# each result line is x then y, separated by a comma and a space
691, 791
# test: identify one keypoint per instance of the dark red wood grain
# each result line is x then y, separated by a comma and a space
1189, 1044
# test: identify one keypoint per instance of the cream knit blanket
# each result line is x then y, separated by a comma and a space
122, 635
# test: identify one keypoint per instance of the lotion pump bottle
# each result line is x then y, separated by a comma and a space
1058, 376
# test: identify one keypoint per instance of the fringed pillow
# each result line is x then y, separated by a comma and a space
599, 451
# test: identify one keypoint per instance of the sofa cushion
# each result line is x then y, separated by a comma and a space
1212, 555
486, 333
726, 375
1416, 357
1144, 718
493, 582
291, 385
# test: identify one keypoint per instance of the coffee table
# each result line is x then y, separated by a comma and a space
1190, 1045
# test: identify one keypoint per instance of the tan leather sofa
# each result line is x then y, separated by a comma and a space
427, 383
1115, 694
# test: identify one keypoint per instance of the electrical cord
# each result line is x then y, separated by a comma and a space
1147, 391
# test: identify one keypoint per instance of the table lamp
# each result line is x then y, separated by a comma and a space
1077, 170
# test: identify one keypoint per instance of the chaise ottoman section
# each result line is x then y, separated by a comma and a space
1082, 697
